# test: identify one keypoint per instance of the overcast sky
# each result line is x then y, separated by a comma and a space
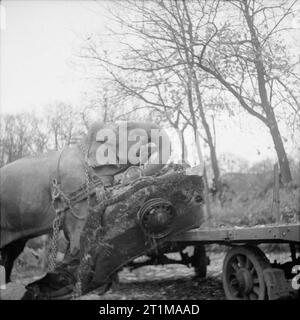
38, 42
37, 46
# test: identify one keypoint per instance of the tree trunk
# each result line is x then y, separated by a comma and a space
285, 171
265, 102
212, 147
180, 134
184, 151
215, 166
193, 81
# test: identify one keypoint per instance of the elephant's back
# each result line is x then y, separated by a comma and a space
19, 177
25, 193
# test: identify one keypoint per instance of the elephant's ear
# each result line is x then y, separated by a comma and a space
99, 134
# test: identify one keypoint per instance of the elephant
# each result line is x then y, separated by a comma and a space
26, 197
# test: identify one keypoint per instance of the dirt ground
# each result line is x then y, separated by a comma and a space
167, 283
149, 282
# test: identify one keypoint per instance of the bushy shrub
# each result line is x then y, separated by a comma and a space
250, 201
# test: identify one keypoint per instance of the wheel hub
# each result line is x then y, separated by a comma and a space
156, 217
244, 279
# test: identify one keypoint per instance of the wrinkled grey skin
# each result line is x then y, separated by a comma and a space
25, 196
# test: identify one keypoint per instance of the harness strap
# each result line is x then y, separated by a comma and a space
62, 201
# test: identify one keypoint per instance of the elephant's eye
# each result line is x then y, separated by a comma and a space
198, 199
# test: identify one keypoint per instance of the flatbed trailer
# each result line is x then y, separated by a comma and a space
284, 233
247, 273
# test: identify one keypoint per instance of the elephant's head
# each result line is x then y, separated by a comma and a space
125, 144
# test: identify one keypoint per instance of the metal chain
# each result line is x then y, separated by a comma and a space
88, 185
78, 286
77, 292
53, 244
87, 175
57, 193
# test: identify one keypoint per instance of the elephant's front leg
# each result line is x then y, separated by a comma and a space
57, 284
60, 283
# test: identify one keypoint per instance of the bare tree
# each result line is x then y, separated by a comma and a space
196, 44
62, 121
16, 137
251, 63
159, 68
40, 136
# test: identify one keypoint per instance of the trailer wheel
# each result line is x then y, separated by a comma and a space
200, 261
243, 277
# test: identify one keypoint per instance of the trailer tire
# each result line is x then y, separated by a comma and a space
242, 276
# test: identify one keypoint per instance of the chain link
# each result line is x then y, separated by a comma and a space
78, 286
86, 171
57, 193
77, 292
53, 244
